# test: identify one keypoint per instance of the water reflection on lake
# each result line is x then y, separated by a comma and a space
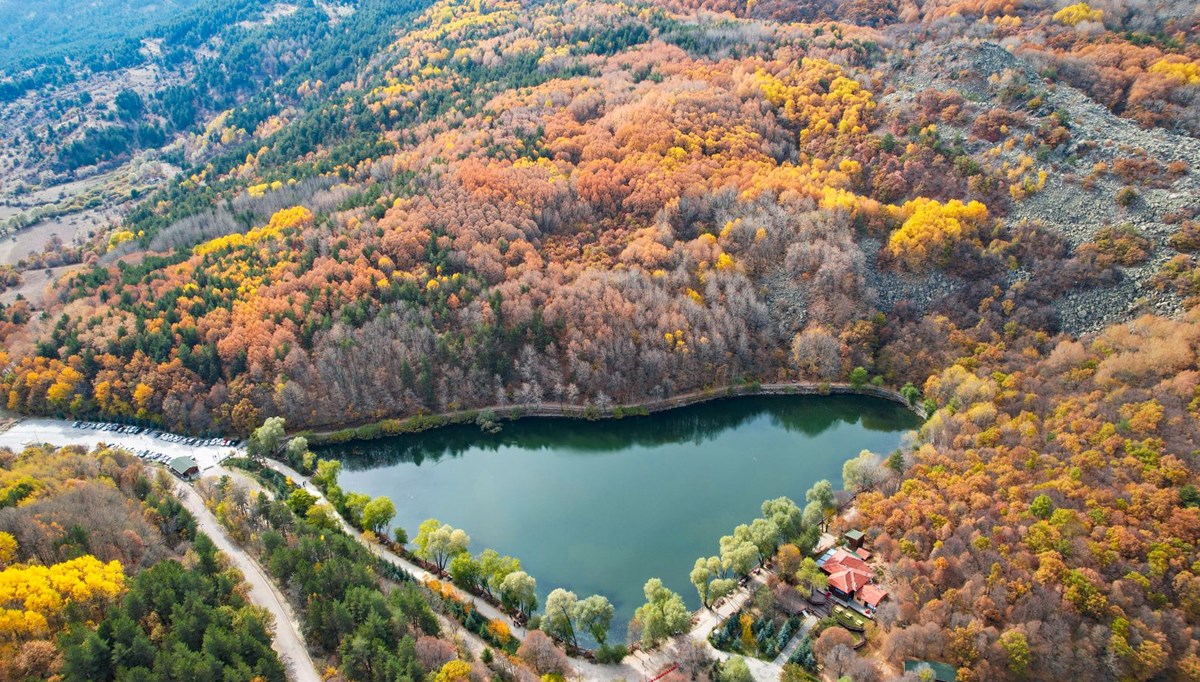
600, 507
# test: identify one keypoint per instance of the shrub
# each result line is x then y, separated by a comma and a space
858, 377
1187, 238
1126, 196
1124, 244
607, 654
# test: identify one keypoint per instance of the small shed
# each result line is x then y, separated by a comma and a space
854, 539
185, 467
942, 672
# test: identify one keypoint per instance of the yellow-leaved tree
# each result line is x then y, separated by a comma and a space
454, 671
33, 598
931, 229
1072, 15
8, 549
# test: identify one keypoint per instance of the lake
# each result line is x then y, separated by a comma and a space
599, 507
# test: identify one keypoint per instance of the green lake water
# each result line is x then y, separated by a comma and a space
599, 507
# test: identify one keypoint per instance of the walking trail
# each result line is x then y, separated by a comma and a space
288, 642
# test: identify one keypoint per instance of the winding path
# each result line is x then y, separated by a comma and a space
288, 642
422, 575
643, 666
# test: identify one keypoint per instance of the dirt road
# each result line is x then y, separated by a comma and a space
288, 642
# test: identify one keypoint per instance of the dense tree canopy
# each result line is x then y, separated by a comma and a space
504, 204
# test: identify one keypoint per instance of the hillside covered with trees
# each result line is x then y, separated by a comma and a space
103, 576
598, 203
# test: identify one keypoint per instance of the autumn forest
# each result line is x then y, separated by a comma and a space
992, 206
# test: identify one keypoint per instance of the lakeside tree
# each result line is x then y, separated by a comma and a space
327, 473
379, 512
267, 439
738, 553
437, 542
821, 503
764, 535
708, 577
558, 616
494, 568
663, 615
760, 535
565, 616
296, 451
787, 517
594, 614
518, 591
863, 472
353, 505
822, 493
858, 377
466, 572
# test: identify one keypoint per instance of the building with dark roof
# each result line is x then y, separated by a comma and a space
184, 467
854, 538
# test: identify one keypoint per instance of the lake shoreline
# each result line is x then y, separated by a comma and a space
599, 507
387, 428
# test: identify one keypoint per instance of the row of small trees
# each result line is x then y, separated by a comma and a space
565, 615
445, 547
750, 545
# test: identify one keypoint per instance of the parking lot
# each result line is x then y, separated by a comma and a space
149, 444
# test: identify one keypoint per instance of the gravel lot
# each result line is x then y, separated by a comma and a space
60, 433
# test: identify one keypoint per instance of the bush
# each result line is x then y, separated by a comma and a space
1126, 196
858, 377
607, 654
1187, 238
1125, 245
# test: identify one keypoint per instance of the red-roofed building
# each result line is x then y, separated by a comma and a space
851, 578
841, 558
847, 581
871, 595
